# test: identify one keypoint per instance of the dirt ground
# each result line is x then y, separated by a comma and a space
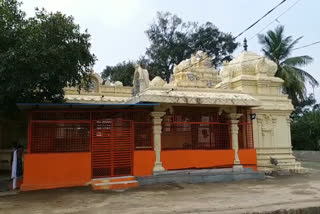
237, 197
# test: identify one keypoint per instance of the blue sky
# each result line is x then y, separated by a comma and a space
117, 26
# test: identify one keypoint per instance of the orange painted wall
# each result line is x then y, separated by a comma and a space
183, 159
54, 170
248, 158
45, 171
143, 162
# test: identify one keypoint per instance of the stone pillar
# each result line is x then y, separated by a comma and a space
157, 128
234, 119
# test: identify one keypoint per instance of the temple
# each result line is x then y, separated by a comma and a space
234, 119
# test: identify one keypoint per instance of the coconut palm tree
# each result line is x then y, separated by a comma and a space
278, 48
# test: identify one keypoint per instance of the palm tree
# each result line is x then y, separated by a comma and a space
278, 48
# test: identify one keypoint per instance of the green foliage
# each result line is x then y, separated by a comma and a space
305, 126
173, 40
39, 56
308, 103
278, 47
305, 129
121, 72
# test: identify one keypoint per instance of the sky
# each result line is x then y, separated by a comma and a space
117, 27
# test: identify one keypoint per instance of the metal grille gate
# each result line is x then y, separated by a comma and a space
112, 148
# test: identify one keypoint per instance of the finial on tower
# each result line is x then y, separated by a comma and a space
245, 46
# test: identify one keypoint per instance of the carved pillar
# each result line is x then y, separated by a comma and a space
274, 133
157, 128
288, 119
234, 120
259, 141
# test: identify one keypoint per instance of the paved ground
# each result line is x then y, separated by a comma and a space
237, 197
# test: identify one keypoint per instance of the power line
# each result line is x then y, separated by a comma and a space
229, 64
260, 19
306, 45
245, 29
314, 43
249, 60
276, 19
251, 27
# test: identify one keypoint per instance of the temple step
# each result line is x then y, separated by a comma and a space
113, 183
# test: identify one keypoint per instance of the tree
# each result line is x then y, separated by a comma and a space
308, 103
278, 48
308, 123
173, 40
41, 55
121, 72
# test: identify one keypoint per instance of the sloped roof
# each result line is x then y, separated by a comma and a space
95, 99
196, 96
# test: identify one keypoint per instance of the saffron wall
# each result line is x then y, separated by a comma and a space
248, 158
187, 159
47, 171
54, 170
143, 162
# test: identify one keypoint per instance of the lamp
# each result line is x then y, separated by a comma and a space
253, 116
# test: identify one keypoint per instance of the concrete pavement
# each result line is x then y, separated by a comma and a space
285, 192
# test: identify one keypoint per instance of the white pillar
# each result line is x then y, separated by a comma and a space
234, 120
157, 128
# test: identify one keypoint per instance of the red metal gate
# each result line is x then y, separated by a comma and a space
112, 148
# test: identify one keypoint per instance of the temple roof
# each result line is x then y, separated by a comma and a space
194, 81
248, 63
99, 93
95, 99
199, 97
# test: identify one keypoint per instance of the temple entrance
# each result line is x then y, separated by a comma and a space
112, 148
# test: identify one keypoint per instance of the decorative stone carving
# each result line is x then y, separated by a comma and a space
118, 84
248, 63
107, 83
99, 92
266, 67
195, 96
267, 129
195, 72
93, 86
254, 75
140, 80
157, 81
96, 77
94, 83
248, 80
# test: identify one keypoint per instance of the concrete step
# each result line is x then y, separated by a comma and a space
290, 165
200, 171
274, 152
113, 183
113, 179
280, 162
280, 157
200, 176
284, 169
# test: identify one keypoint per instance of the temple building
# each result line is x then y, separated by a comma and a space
202, 119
